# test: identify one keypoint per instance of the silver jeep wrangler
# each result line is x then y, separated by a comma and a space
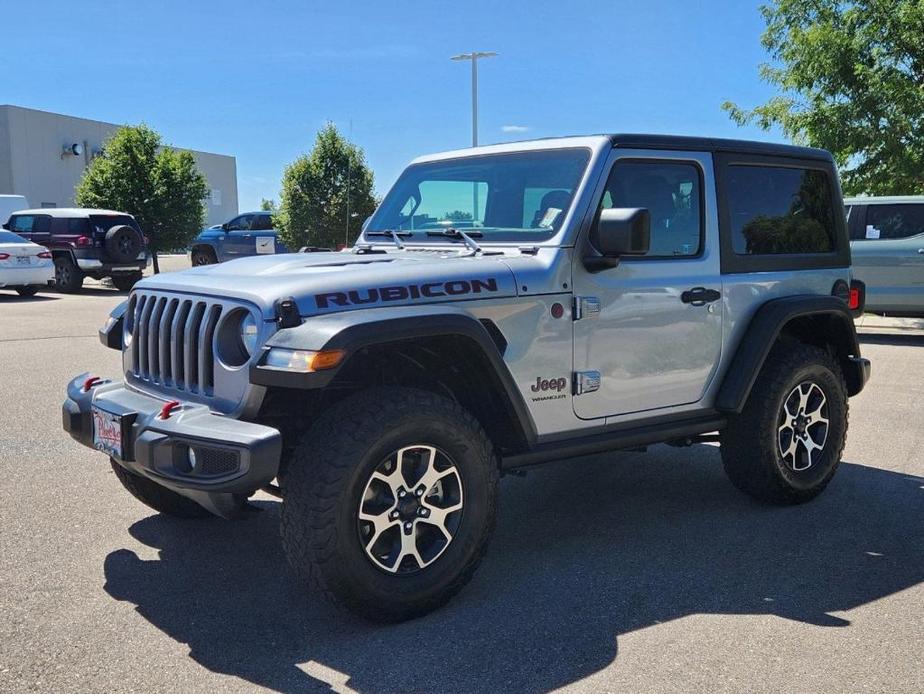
504, 306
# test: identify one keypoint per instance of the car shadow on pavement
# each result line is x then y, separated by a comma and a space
583, 552
16, 299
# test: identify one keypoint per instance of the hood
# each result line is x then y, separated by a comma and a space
330, 282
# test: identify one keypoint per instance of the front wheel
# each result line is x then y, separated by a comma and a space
787, 442
203, 257
390, 515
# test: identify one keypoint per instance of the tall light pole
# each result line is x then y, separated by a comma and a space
474, 56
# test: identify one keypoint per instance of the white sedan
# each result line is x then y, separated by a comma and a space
24, 266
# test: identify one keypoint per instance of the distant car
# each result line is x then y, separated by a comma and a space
24, 266
887, 246
247, 234
10, 204
86, 243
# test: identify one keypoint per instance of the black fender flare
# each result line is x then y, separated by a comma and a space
766, 326
352, 331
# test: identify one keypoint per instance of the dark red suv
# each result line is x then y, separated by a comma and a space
86, 243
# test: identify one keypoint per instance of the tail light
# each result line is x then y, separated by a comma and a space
44, 254
4, 256
84, 241
857, 299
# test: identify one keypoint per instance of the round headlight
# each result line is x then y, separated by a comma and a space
236, 338
249, 334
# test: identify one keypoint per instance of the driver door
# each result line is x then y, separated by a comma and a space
239, 239
653, 345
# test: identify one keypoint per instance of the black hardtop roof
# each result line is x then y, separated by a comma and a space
716, 144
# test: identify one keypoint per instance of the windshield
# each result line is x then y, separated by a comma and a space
523, 196
10, 237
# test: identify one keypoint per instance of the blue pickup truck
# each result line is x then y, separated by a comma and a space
247, 234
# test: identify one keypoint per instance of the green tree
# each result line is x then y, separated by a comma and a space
267, 205
850, 75
458, 216
159, 185
326, 194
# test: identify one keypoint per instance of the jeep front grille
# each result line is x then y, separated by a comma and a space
171, 341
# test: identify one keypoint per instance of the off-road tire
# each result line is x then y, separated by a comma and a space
157, 497
750, 448
27, 291
124, 283
328, 472
203, 257
68, 277
123, 243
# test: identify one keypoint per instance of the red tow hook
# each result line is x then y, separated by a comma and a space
90, 382
168, 408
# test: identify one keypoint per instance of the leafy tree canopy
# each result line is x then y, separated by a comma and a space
326, 195
267, 205
160, 186
850, 75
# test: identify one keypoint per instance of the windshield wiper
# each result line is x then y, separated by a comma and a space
393, 235
458, 234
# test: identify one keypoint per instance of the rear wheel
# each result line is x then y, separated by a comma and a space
159, 498
390, 516
27, 291
68, 277
124, 283
787, 442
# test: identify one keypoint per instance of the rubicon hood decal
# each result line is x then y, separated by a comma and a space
353, 297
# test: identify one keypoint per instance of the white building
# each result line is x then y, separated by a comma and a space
43, 155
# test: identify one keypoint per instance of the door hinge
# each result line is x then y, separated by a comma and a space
586, 382
586, 307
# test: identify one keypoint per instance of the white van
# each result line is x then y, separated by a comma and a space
10, 204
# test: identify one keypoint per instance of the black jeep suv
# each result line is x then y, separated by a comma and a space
86, 243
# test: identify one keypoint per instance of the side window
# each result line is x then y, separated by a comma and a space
80, 227
672, 193
894, 221
21, 223
780, 210
262, 222
241, 223
42, 224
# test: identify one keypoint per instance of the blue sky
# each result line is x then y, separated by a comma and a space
257, 79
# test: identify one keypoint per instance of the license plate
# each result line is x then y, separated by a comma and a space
23, 259
107, 432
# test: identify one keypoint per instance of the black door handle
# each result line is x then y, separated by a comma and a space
699, 296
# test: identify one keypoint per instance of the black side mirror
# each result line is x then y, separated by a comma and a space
620, 231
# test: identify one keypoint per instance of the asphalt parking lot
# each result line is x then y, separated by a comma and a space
633, 572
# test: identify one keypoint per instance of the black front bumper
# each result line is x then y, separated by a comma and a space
234, 458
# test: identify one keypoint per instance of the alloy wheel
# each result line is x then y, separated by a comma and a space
410, 509
803, 426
